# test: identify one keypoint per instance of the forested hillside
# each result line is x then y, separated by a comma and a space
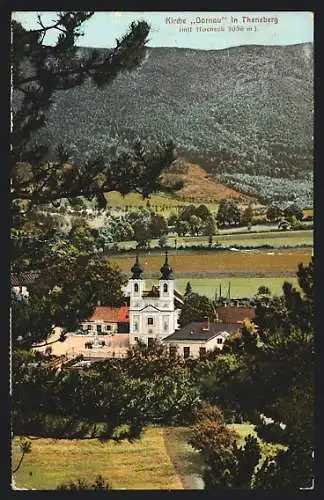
243, 109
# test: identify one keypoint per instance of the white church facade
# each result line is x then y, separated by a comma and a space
154, 313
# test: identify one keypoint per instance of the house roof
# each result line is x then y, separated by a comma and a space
178, 295
178, 304
235, 314
23, 278
195, 331
123, 315
110, 314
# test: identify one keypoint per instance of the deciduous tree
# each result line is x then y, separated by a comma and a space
196, 308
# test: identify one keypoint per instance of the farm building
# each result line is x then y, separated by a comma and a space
107, 321
195, 339
234, 314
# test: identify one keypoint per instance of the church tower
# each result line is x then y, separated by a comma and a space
153, 314
136, 282
167, 285
136, 285
166, 288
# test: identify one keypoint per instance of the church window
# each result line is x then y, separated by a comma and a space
135, 326
150, 321
165, 326
150, 342
220, 340
135, 287
165, 288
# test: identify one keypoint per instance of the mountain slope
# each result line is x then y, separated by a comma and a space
236, 109
199, 185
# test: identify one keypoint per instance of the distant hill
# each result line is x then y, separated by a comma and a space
243, 109
198, 184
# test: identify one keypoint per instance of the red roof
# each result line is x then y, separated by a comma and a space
110, 314
235, 314
123, 314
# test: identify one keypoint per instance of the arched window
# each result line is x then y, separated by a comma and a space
136, 287
165, 288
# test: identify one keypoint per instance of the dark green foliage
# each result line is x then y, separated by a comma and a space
39, 74
194, 220
271, 432
112, 399
228, 213
146, 225
182, 227
294, 210
188, 289
99, 484
247, 216
227, 466
219, 132
196, 308
273, 213
291, 470
72, 277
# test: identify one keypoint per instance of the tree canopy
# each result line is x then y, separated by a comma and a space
271, 373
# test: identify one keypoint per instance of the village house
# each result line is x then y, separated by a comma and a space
107, 320
234, 314
21, 281
196, 339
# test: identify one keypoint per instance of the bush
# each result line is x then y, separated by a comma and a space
80, 484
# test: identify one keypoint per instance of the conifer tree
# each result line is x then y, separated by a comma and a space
40, 71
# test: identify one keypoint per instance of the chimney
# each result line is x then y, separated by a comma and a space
205, 326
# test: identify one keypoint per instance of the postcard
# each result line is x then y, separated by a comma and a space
162, 309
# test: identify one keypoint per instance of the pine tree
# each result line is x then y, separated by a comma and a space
38, 72
188, 290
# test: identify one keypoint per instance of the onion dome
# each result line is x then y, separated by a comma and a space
136, 270
166, 270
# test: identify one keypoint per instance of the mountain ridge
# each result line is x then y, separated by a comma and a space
247, 108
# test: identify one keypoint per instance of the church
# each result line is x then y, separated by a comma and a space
154, 313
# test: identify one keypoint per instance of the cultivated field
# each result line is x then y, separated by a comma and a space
257, 263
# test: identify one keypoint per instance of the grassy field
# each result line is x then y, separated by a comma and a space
274, 239
135, 200
276, 262
141, 465
240, 287
162, 459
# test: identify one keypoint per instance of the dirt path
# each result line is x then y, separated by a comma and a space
183, 457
